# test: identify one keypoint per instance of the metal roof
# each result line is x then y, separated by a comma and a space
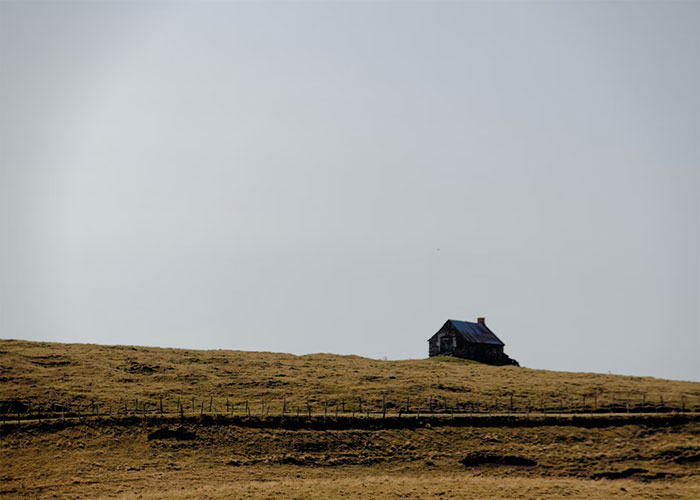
477, 333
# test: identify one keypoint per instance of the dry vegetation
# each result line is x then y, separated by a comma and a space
218, 458
105, 459
50, 371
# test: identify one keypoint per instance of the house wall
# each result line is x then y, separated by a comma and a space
447, 342
485, 353
443, 343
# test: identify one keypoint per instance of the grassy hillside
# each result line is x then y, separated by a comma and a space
80, 372
204, 456
123, 458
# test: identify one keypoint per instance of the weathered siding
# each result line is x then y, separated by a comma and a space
448, 341
443, 343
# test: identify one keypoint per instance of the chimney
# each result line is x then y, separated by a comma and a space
481, 321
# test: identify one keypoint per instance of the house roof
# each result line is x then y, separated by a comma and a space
477, 333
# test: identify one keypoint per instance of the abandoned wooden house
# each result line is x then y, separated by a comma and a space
467, 340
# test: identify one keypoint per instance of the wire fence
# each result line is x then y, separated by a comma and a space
18, 409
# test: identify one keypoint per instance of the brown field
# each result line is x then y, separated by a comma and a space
557, 455
81, 372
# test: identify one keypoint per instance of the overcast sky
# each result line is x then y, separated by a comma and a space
345, 177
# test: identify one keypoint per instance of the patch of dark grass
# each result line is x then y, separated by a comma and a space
179, 434
477, 459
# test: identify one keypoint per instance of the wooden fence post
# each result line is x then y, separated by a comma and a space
383, 405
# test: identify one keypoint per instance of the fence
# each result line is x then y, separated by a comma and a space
18, 409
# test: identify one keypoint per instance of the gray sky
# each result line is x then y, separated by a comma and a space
308, 177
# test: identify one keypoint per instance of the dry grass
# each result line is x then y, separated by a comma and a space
50, 371
107, 459
114, 458
431, 485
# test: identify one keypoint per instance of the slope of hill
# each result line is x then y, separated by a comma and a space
81, 372
180, 455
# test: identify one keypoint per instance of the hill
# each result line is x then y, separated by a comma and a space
438, 449
53, 372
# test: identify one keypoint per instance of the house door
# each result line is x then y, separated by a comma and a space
446, 344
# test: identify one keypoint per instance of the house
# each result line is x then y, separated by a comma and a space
469, 341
